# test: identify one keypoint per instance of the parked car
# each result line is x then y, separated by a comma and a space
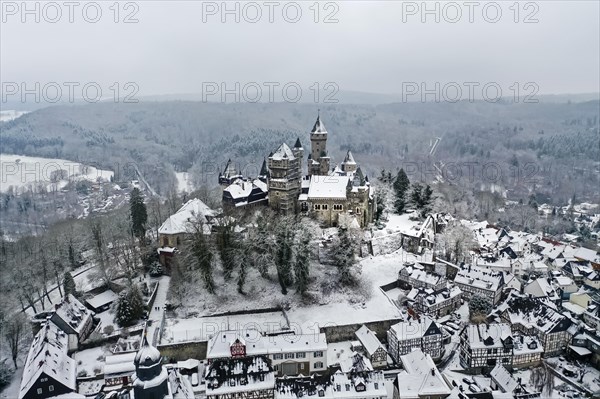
468, 381
474, 388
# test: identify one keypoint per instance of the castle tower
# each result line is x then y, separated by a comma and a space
298, 153
285, 178
349, 164
150, 378
318, 160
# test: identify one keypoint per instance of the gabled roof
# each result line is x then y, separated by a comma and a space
48, 355
368, 339
318, 126
420, 377
183, 220
503, 378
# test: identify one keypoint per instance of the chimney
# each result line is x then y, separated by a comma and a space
433, 371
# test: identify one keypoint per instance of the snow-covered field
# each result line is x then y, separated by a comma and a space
10, 114
184, 184
21, 171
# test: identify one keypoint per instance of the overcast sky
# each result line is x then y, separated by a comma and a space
374, 46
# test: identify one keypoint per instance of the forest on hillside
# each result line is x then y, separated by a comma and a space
549, 150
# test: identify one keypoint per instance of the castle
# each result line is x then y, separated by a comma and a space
323, 193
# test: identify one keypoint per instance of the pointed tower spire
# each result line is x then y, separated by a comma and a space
298, 144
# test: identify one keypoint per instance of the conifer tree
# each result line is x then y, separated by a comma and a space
302, 263
344, 256
204, 258
139, 215
68, 284
401, 184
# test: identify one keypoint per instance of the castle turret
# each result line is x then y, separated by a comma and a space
349, 164
318, 163
150, 378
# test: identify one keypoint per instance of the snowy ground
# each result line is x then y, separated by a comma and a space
184, 184
91, 361
21, 171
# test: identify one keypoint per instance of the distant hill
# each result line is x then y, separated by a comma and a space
537, 147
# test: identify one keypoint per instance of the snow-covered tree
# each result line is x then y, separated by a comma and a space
479, 307
344, 255
69, 285
139, 214
130, 306
302, 263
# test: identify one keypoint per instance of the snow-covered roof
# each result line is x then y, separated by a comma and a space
72, 313
242, 189
420, 377
586, 254
349, 159
503, 378
368, 339
407, 330
429, 297
487, 335
328, 187
102, 299
115, 365
256, 344
230, 376
48, 355
480, 278
283, 152
541, 288
318, 127
533, 313
183, 220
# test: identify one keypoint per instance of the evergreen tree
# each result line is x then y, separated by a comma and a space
139, 215
344, 256
203, 256
72, 260
69, 284
283, 254
226, 247
479, 307
136, 301
302, 264
124, 313
401, 185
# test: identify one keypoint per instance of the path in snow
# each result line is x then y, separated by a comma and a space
158, 309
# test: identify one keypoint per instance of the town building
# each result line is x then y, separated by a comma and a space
351, 385
422, 334
193, 215
74, 319
543, 288
249, 377
373, 348
420, 378
289, 354
535, 316
435, 303
245, 194
473, 280
414, 276
483, 346
48, 370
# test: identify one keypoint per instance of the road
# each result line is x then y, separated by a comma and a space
158, 309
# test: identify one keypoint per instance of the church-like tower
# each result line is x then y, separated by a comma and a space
318, 159
150, 378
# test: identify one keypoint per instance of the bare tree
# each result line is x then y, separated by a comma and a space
14, 331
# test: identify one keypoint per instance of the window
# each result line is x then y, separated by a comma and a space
300, 355
317, 207
277, 356
318, 354
357, 210
318, 365
338, 207
39, 391
44, 379
289, 355
301, 366
51, 388
324, 207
